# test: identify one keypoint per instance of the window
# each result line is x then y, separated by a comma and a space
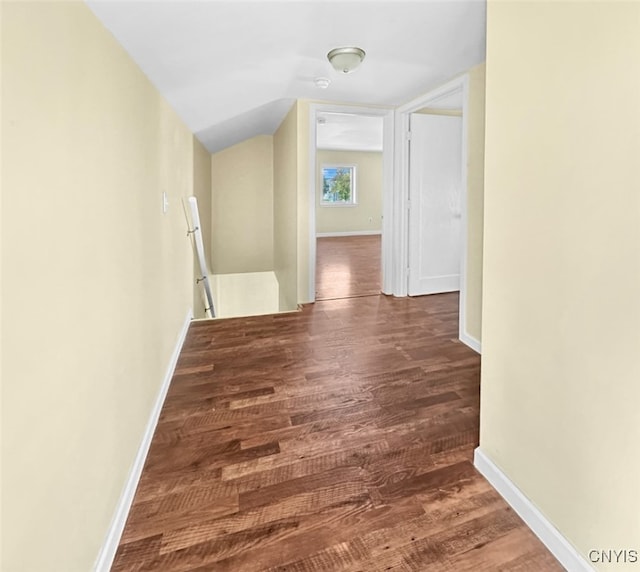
338, 185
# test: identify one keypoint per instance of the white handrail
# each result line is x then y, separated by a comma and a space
196, 231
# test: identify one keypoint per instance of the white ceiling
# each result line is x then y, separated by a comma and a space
345, 131
232, 69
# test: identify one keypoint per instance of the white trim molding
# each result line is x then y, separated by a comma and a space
550, 536
349, 233
108, 551
470, 341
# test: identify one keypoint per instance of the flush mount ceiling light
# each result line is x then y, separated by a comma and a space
346, 59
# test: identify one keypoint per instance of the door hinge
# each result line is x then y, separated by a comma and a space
408, 135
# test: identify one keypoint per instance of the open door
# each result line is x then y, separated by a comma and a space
435, 216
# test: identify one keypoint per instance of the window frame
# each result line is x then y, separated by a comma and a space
354, 196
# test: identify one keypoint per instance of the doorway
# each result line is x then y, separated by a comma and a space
451, 99
349, 153
350, 182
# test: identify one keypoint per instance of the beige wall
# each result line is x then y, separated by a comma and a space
272, 173
242, 206
202, 191
368, 193
1, 296
304, 173
96, 280
475, 200
285, 205
561, 311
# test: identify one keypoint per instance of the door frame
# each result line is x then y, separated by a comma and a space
388, 140
401, 199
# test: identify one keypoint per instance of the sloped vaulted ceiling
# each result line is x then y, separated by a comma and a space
232, 69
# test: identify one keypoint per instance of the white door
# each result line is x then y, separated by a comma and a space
435, 216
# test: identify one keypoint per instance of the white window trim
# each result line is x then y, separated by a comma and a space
354, 178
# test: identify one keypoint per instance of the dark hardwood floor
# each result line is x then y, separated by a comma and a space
338, 438
347, 266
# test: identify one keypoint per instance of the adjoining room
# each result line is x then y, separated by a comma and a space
348, 205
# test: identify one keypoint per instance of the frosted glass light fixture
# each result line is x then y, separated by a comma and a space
346, 59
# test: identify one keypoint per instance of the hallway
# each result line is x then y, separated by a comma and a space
338, 438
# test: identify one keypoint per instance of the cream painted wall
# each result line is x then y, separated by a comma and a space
368, 193
1, 297
202, 192
302, 144
96, 280
245, 294
242, 203
285, 209
561, 305
282, 236
475, 199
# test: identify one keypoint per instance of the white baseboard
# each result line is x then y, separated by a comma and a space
108, 551
470, 341
557, 544
348, 233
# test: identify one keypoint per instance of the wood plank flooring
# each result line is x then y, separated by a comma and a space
348, 266
339, 438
